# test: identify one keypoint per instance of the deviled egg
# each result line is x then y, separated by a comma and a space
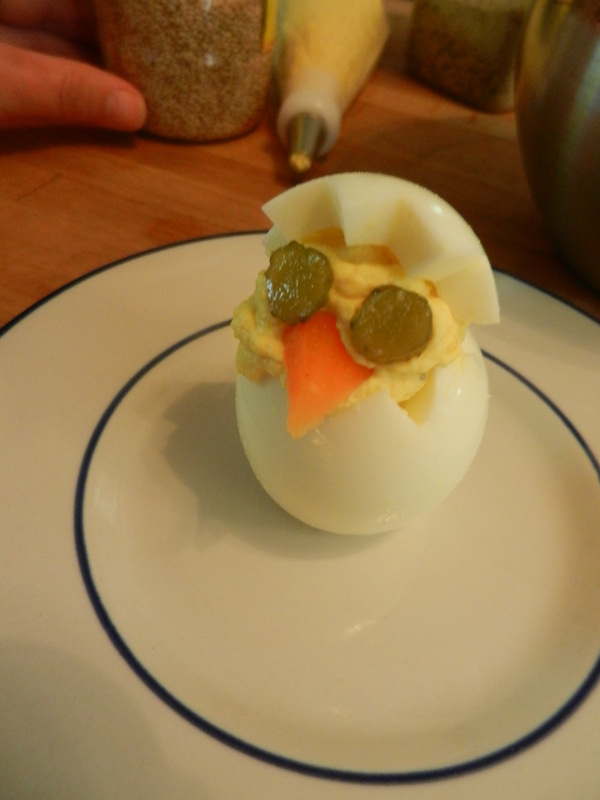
361, 393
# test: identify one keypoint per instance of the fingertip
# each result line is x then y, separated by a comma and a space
125, 110
41, 89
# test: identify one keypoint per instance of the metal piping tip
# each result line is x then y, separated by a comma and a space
305, 137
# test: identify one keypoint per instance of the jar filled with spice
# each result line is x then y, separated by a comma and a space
468, 48
203, 66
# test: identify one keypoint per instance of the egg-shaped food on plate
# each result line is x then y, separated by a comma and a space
361, 394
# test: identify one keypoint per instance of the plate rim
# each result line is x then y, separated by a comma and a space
26, 312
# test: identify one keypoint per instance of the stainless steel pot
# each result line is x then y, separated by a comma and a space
558, 120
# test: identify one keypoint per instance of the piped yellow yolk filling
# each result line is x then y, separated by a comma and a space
357, 270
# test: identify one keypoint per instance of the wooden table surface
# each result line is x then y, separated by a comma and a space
73, 200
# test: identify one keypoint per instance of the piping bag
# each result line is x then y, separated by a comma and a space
326, 50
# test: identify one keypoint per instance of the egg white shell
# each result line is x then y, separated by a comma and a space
429, 237
372, 467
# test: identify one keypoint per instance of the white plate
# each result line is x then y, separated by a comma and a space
167, 631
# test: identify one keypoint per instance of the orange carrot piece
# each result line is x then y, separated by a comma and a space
320, 372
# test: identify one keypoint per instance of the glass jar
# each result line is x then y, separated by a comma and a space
203, 66
467, 48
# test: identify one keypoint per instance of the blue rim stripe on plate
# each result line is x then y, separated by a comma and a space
232, 235
118, 263
315, 770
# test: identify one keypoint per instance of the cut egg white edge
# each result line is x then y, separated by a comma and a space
374, 466
428, 236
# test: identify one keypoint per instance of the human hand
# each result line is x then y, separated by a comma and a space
47, 70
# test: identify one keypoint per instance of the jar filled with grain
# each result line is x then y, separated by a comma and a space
203, 66
468, 48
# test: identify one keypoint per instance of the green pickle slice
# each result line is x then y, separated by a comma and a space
298, 282
392, 324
